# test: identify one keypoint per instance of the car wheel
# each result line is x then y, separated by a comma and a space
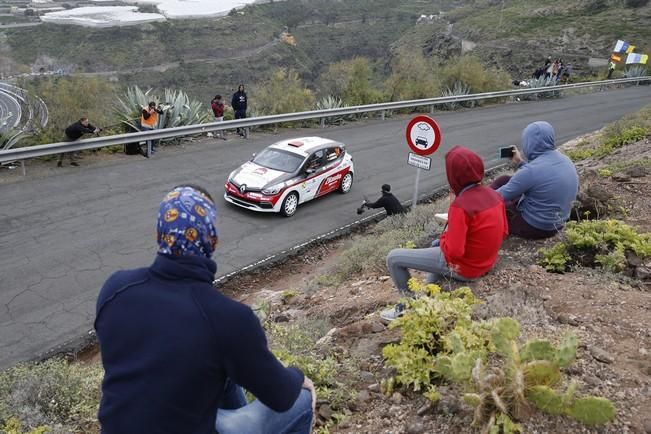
346, 183
290, 204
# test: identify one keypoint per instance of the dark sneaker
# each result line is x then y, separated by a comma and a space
390, 315
74, 163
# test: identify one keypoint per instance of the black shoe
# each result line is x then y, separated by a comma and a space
74, 163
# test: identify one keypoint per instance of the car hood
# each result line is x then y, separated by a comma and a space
255, 176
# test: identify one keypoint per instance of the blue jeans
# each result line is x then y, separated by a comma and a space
399, 261
235, 416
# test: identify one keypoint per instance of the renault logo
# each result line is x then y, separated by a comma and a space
242, 188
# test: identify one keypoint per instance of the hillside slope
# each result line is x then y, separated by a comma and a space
202, 55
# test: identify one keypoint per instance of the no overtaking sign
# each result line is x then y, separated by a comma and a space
424, 138
423, 135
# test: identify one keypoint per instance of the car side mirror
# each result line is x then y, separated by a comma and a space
253, 156
310, 170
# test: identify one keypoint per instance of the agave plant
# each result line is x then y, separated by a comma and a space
179, 109
540, 82
636, 71
331, 102
459, 89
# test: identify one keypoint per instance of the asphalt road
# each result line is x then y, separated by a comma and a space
63, 235
10, 111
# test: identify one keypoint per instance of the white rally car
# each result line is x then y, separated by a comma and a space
289, 173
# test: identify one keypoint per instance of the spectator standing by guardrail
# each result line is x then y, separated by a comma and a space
149, 121
74, 132
218, 107
176, 352
239, 103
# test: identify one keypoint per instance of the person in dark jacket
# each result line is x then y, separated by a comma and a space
539, 196
469, 247
238, 102
387, 201
177, 352
74, 132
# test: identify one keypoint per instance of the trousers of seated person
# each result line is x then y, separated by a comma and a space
236, 416
518, 226
430, 260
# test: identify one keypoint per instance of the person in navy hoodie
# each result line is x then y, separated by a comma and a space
177, 353
539, 195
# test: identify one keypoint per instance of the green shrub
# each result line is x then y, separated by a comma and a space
295, 345
353, 81
471, 72
283, 92
412, 77
68, 99
596, 243
368, 254
51, 393
615, 136
502, 380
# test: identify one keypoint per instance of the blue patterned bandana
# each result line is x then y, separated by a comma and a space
186, 224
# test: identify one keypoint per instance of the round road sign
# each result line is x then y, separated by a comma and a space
423, 135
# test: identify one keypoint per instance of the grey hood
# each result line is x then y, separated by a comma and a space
538, 138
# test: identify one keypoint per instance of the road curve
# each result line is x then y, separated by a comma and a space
62, 238
10, 111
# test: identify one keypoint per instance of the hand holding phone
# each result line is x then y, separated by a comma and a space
507, 152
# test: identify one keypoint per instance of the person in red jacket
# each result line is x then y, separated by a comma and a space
218, 107
476, 227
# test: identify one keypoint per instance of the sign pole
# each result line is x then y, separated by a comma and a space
414, 200
423, 138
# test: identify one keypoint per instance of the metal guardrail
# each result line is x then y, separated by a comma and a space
120, 139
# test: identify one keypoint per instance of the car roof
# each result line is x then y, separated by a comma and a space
304, 145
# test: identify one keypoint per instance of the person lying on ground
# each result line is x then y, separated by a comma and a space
469, 247
539, 195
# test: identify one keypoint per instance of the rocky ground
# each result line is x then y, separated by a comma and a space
608, 312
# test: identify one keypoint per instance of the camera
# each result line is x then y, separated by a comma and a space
361, 208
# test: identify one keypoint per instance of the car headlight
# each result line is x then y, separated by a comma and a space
274, 189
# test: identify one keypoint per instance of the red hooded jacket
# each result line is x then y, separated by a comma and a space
476, 219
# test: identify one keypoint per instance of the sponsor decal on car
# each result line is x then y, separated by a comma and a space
333, 178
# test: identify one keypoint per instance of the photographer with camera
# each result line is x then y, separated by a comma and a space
539, 195
387, 201
73, 133
149, 121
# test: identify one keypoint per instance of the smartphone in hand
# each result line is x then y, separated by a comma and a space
507, 152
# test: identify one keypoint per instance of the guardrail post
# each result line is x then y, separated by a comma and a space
322, 122
431, 109
22, 165
382, 114
246, 132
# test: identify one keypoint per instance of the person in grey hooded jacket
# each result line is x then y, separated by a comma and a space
539, 195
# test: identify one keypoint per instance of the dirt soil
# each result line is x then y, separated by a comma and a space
609, 313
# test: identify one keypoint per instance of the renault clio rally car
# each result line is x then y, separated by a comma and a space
289, 173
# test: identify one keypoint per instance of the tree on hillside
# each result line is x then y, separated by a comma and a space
470, 72
283, 92
352, 81
412, 77
68, 99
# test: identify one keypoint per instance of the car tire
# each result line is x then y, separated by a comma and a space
346, 183
290, 204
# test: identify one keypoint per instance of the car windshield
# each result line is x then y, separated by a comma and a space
277, 159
